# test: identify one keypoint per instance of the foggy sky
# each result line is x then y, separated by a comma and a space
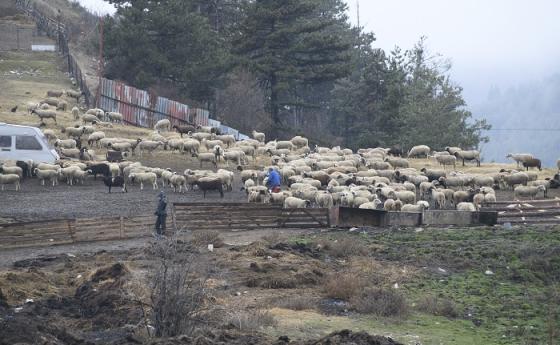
496, 42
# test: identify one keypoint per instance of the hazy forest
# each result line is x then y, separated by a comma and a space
288, 67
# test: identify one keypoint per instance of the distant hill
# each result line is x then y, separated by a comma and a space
524, 119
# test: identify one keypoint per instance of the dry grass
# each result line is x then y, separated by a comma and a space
345, 247
344, 286
204, 238
251, 320
297, 302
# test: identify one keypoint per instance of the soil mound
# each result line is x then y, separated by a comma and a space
347, 337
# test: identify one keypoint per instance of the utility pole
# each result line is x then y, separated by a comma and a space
358, 11
101, 63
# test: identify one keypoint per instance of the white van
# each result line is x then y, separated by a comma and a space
24, 143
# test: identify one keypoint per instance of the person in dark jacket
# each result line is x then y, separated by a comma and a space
161, 213
273, 183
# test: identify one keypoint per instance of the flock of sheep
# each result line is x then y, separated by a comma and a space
375, 178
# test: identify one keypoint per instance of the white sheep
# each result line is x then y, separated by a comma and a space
520, 157
178, 181
324, 200
176, 145
89, 118
70, 153
259, 136
293, 202
146, 177
420, 150
260, 196
62, 105
438, 197
51, 175
45, 114
419, 207
11, 170
299, 141
115, 117
68, 173
208, 157
235, 156
446, 160
528, 191
10, 179
95, 137
163, 125
149, 146
466, 207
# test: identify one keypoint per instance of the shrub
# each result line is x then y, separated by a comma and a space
438, 306
343, 286
381, 302
203, 238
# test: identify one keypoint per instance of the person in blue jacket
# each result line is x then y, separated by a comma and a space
273, 183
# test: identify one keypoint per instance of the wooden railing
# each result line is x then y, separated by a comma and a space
526, 211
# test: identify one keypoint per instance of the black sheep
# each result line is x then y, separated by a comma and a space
99, 169
184, 129
208, 183
25, 168
532, 163
117, 181
395, 151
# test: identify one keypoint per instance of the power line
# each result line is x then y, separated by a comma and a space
525, 129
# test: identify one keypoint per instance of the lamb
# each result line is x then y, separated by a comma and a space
62, 105
10, 179
74, 94
528, 191
46, 166
45, 114
54, 93
149, 146
447, 160
70, 153
163, 125
293, 202
178, 181
68, 174
117, 181
466, 207
184, 129
87, 155
372, 205
260, 196
95, 137
438, 197
419, 207
206, 157
406, 197
73, 132
13, 170
99, 113
520, 157
469, 156
478, 200
279, 198
420, 150
89, 118
76, 113
227, 178
115, 117
389, 205
51, 175
210, 183
120, 146
259, 136
79, 175
299, 141
324, 200
146, 177
532, 163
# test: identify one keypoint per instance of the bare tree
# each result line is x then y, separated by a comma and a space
178, 294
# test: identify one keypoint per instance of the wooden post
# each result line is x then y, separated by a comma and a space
121, 232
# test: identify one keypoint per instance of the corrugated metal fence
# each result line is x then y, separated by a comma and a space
139, 108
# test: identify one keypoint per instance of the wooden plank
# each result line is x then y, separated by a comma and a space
535, 202
529, 214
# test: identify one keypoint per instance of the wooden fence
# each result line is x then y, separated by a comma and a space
66, 231
526, 211
244, 216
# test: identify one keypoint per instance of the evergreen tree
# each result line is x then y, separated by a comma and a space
171, 41
292, 44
